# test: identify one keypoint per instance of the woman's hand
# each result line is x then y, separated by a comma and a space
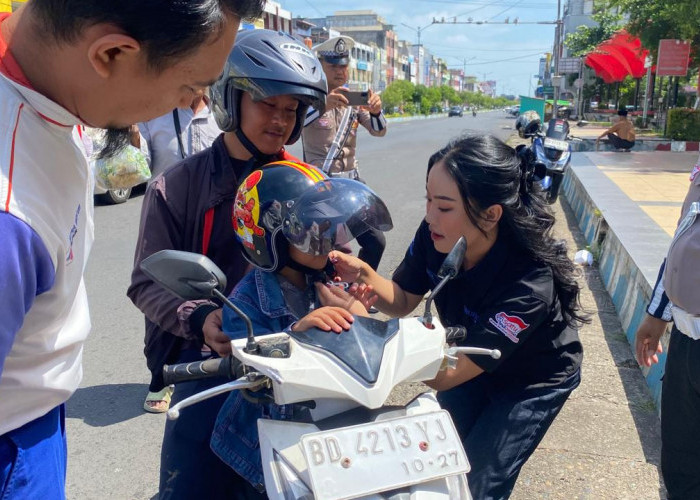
325, 318
465, 370
347, 267
330, 295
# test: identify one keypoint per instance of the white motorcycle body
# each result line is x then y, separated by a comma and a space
410, 452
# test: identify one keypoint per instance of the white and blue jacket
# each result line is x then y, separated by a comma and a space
46, 228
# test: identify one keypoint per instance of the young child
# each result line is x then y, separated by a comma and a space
288, 217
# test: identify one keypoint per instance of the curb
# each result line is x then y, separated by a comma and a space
679, 146
627, 283
415, 117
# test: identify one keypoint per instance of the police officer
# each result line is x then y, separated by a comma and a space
676, 297
515, 292
321, 130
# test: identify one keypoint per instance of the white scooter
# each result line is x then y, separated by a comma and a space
352, 446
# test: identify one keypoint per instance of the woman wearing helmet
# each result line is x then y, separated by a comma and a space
289, 216
269, 82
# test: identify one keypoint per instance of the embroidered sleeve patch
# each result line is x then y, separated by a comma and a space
510, 326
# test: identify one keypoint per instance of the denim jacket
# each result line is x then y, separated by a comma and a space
235, 437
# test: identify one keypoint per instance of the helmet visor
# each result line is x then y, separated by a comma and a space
332, 213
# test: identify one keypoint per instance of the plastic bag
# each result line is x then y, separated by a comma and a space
583, 257
126, 169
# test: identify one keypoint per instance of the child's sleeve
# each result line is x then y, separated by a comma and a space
233, 324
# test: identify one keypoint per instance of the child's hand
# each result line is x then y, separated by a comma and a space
364, 294
325, 318
330, 295
347, 267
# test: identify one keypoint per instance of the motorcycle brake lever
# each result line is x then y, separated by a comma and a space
242, 383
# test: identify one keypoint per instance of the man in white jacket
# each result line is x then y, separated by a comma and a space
65, 64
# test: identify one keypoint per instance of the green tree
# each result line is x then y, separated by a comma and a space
397, 94
654, 20
450, 95
587, 38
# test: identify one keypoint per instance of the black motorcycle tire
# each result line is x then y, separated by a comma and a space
553, 192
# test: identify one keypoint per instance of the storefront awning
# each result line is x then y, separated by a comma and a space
617, 58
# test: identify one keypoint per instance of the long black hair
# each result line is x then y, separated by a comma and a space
489, 172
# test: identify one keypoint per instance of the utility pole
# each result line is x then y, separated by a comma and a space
647, 91
418, 31
557, 78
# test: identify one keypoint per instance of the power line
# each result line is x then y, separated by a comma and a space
510, 59
545, 49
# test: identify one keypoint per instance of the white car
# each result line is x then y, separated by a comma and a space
112, 196
91, 140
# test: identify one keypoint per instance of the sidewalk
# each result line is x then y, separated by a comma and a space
606, 441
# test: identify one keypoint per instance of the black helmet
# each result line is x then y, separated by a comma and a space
528, 123
268, 63
287, 202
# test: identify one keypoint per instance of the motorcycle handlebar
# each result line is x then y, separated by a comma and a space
455, 334
228, 367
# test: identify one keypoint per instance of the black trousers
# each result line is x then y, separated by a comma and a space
680, 418
188, 467
620, 143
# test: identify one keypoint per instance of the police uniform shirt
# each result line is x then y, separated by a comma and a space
507, 302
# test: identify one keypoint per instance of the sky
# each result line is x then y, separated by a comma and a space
506, 53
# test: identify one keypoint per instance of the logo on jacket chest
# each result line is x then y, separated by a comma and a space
71, 236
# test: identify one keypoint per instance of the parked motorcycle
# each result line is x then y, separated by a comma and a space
351, 445
549, 153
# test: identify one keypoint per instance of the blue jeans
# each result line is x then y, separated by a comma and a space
33, 459
500, 424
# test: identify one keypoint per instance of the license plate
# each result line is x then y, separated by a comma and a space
556, 144
379, 456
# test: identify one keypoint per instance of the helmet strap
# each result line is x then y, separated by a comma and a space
252, 149
311, 274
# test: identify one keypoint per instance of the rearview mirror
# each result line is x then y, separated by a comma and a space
188, 275
453, 262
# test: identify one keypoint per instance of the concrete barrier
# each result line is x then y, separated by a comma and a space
628, 284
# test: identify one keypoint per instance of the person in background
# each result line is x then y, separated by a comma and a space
676, 298
321, 128
516, 292
260, 101
621, 135
64, 64
165, 141
176, 135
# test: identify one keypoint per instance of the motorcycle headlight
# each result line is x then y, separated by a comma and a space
293, 487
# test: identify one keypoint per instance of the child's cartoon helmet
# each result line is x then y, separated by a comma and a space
286, 202
268, 63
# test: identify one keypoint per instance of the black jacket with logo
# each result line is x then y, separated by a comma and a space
508, 302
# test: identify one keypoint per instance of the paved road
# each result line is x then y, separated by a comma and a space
113, 445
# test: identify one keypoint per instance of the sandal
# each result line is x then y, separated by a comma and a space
159, 401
